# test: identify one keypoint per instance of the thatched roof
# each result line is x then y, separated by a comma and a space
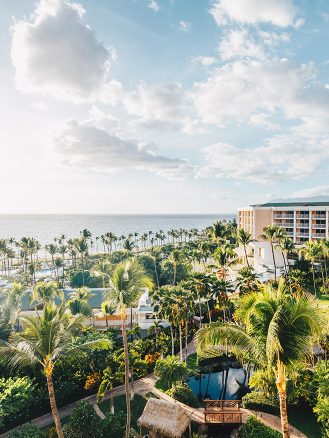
164, 417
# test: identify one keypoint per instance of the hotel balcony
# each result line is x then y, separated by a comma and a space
322, 217
283, 216
303, 235
303, 216
320, 226
318, 235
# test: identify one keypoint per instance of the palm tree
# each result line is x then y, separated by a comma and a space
270, 233
275, 329
244, 239
107, 310
45, 292
224, 256
108, 379
287, 246
45, 340
126, 285
312, 251
170, 370
247, 280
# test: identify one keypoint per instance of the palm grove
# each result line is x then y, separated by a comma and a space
55, 356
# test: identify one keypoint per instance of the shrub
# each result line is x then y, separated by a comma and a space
76, 280
170, 370
84, 423
182, 393
16, 398
257, 401
27, 431
114, 425
255, 429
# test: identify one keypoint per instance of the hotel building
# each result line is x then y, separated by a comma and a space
302, 221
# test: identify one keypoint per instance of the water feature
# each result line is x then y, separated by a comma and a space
228, 384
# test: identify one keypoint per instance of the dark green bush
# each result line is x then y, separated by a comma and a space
255, 429
84, 423
257, 401
182, 393
76, 280
27, 431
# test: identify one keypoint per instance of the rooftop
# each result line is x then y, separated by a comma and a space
293, 204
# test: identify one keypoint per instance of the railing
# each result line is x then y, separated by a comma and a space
303, 235
223, 417
222, 411
319, 226
320, 216
318, 235
221, 404
303, 216
283, 216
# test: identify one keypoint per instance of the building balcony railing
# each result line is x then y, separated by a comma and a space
319, 226
320, 216
318, 235
283, 216
303, 235
303, 216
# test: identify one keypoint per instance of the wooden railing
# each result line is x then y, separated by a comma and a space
222, 411
223, 417
221, 404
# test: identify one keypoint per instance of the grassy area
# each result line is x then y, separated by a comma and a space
192, 362
137, 407
160, 384
304, 420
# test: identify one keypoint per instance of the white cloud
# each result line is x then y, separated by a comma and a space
312, 192
154, 5
295, 155
204, 60
238, 44
88, 146
55, 53
243, 88
41, 106
185, 26
162, 103
278, 12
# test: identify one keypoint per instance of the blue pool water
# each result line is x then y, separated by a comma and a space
228, 384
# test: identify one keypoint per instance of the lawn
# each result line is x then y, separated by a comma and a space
304, 420
137, 407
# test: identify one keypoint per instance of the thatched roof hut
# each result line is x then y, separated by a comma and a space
164, 419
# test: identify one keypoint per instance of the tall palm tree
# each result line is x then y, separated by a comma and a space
270, 233
126, 285
312, 251
244, 239
247, 280
43, 342
287, 246
107, 310
275, 329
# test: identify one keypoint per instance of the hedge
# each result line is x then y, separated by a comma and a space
255, 429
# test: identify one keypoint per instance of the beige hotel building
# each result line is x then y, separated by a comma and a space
302, 221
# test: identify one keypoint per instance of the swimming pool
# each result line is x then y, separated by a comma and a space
229, 384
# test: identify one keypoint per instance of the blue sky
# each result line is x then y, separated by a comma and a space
162, 106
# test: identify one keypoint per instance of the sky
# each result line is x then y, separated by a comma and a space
162, 106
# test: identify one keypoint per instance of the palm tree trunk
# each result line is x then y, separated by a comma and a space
126, 357
172, 341
274, 263
313, 276
209, 314
200, 313
245, 253
282, 391
156, 272
180, 343
111, 402
186, 339
53, 405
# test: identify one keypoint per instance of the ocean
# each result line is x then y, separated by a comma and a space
45, 227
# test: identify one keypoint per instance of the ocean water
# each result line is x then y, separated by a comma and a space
45, 227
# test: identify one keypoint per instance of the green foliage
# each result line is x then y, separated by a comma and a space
27, 431
92, 281
16, 396
170, 370
84, 423
182, 393
255, 429
257, 401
